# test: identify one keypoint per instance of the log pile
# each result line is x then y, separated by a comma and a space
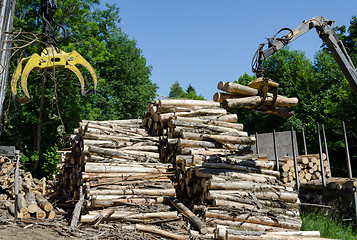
332, 183
160, 112
121, 175
31, 201
309, 169
239, 96
214, 167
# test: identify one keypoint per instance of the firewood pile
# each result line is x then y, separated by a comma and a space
32, 202
215, 168
309, 169
239, 96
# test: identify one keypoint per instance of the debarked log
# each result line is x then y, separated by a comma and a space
153, 229
275, 221
235, 195
219, 138
220, 129
188, 102
245, 225
248, 185
203, 120
118, 215
121, 169
127, 192
241, 168
253, 101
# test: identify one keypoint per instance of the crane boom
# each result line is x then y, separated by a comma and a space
324, 28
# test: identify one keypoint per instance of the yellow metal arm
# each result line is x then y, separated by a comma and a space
52, 59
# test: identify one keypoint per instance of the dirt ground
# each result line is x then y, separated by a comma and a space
43, 229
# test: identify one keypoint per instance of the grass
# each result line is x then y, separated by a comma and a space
329, 228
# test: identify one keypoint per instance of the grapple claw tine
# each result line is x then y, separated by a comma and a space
76, 58
32, 63
23, 69
79, 75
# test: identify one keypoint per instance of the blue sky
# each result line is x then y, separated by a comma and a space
202, 42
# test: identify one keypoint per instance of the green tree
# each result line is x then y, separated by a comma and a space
124, 86
176, 91
191, 93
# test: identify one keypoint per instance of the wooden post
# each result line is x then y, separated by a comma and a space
295, 161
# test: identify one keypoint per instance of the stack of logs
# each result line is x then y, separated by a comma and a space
31, 199
240, 96
309, 168
160, 112
122, 177
214, 167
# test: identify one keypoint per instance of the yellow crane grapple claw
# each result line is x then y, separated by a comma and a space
265, 86
50, 58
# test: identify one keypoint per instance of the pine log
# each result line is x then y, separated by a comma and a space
209, 172
219, 97
99, 202
275, 221
22, 206
194, 143
219, 138
243, 207
43, 203
147, 192
201, 120
118, 215
51, 214
245, 225
153, 229
235, 88
110, 122
121, 169
233, 234
249, 102
247, 185
241, 168
190, 215
188, 102
219, 129
31, 202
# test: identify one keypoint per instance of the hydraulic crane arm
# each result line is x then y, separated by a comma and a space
324, 28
